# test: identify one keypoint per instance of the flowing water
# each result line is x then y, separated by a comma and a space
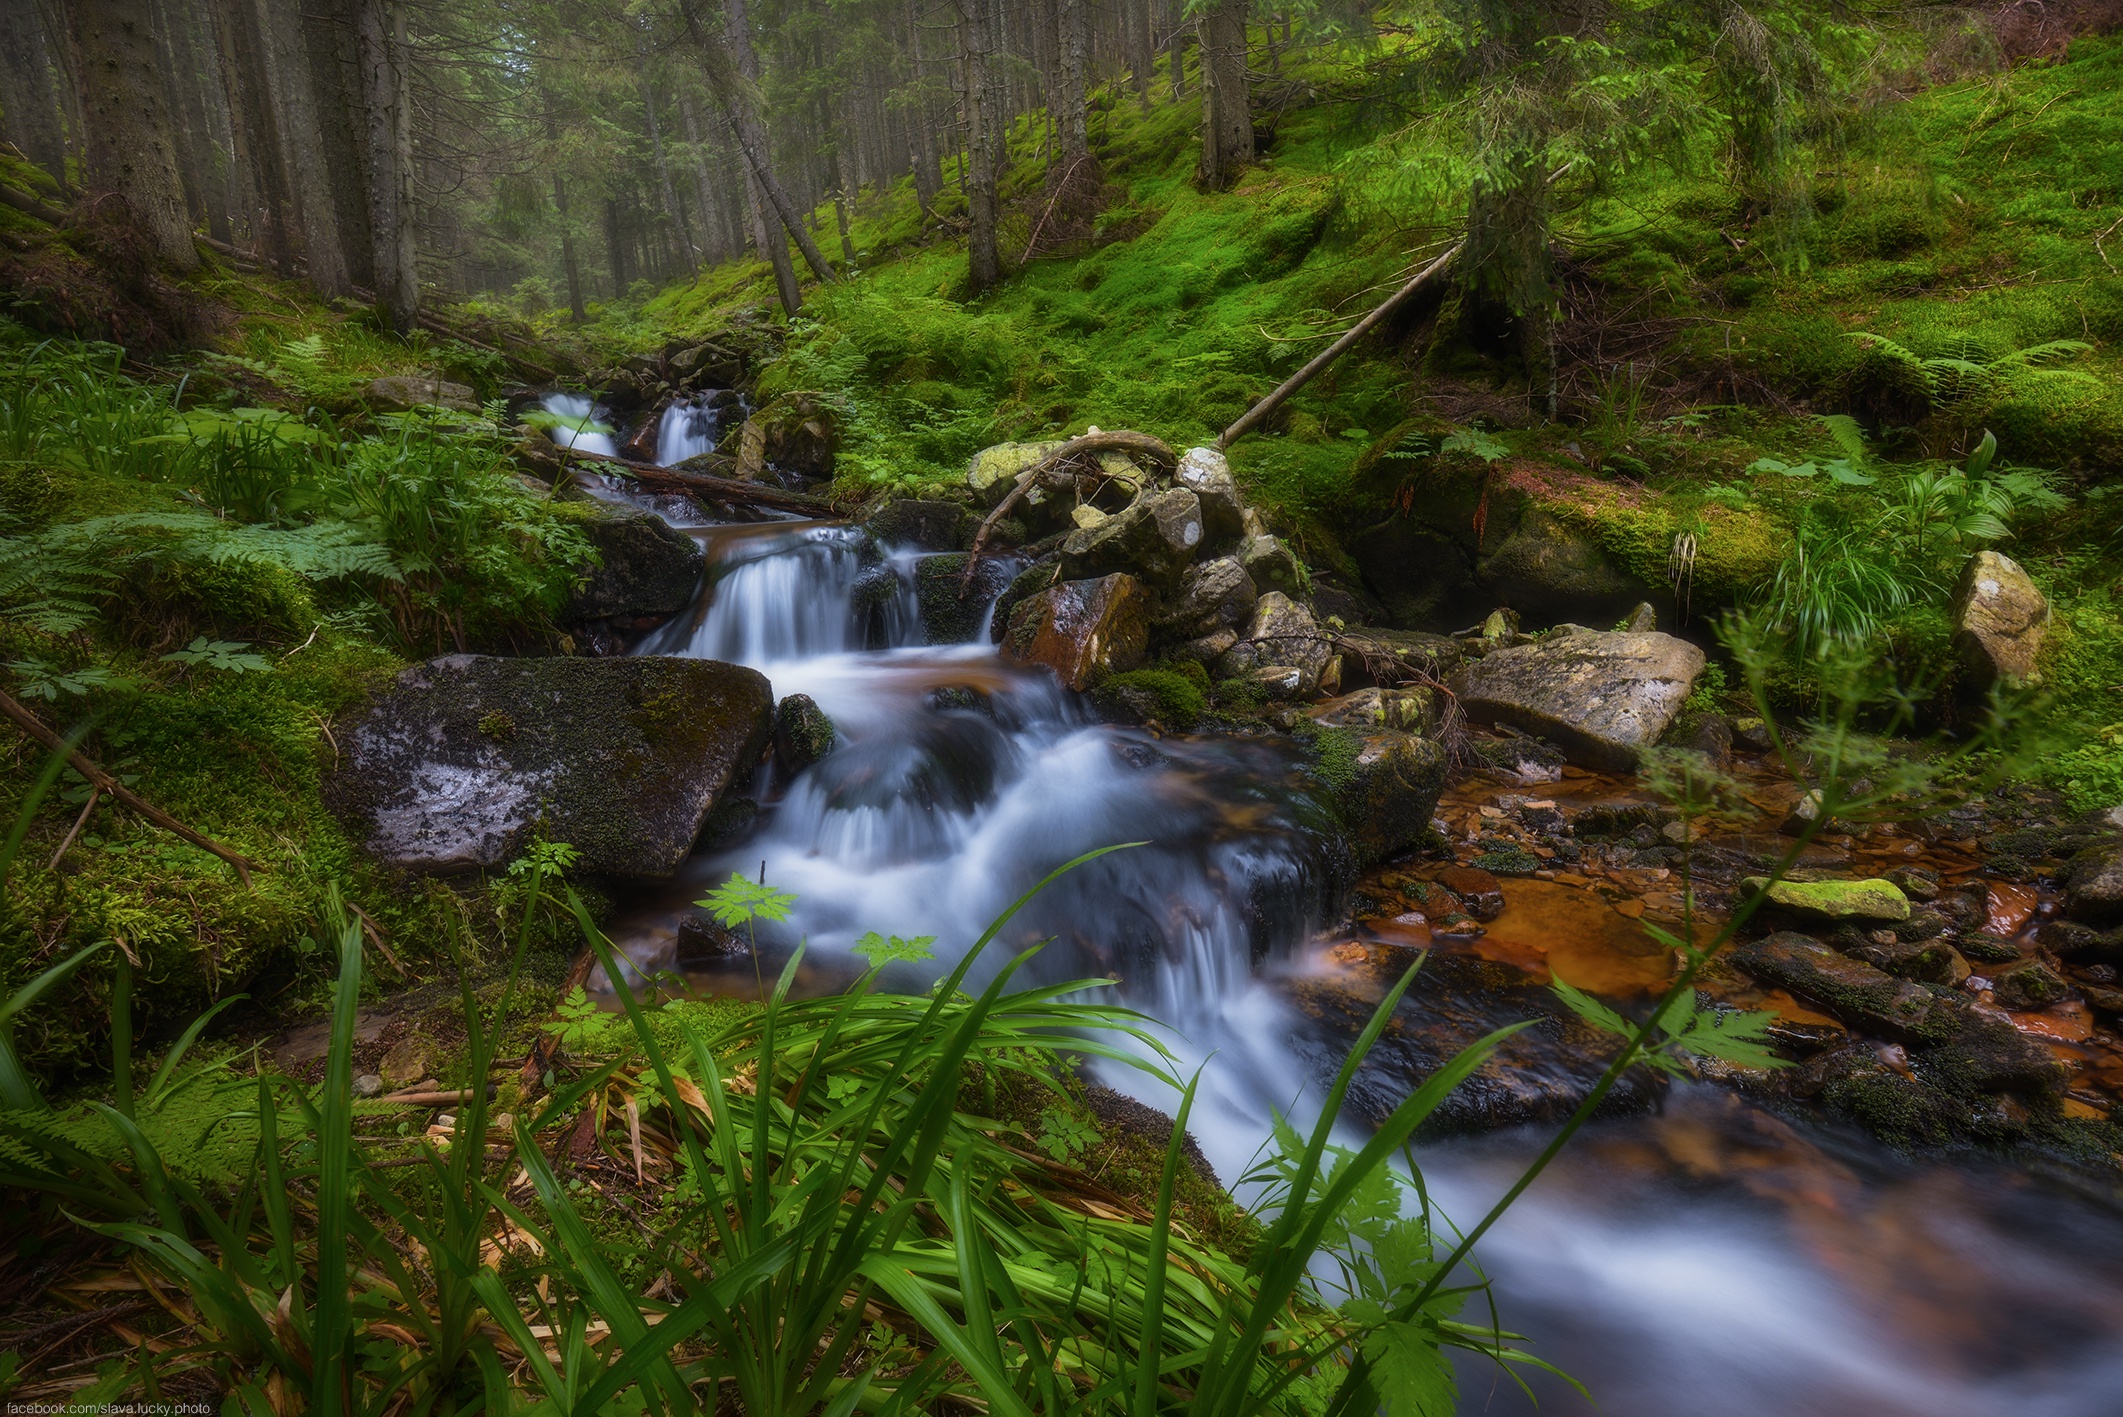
1710, 1261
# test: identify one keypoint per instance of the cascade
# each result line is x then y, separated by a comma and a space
578, 409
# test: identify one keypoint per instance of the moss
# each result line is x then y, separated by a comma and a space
1180, 699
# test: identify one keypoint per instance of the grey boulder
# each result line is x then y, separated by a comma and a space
1205, 473
1154, 539
1215, 595
464, 759
647, 567
1603, 697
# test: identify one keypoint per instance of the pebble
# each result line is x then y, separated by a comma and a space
368, 1085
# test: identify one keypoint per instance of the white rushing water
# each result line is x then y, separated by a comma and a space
577, 432
1665, 1262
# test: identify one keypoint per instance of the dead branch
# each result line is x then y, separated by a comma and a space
1252, 416
36, 728
1118, 440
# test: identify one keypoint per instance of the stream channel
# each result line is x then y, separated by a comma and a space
1708, 1259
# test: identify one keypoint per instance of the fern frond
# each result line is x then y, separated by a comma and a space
2056, 351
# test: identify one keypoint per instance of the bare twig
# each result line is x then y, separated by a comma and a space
36, 728
75, 830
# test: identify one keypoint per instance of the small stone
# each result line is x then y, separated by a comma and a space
1154, 539
1804, 815
1641, 620
368, 1085
1914, 882
1284, 633
1832, 900
993, 472
2093, 885
1409, 710
1752, 734
1214, 595
1271, 564
1206, 650
2031, 984
1858, 991
1477, 887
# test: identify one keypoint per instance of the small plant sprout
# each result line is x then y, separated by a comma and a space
41, 680
1065, 1136
882, 950
738, 901
234, 656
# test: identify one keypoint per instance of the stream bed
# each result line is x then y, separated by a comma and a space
1705, 1259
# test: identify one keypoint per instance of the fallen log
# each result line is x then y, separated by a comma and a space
98, 779
721, 489
1252, 416
1119, 440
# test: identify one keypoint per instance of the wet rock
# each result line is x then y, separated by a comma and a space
1925, 961
368, 1085
1805, 814
2028, 984
1857, 992
2000, 620
1752, 734
1082, 630
457, 764
1384, 785
1408, 710
1709, 734
1479, 890
2104, 818
1272, 564
1915, 882
802, 733
1205, 473
708, 364
1034, 578
993, 472
798, 433
1508, 859
2093, 885
647, 568
1539, 1074
1549, 570
923, 525
1215, 595
1280, 683
1283, 632
1834, 901
1986, 1054
1208, 649
1154, 540
1330, 602
1601, 697
2076, 940
954, 607
400, 393
703, 939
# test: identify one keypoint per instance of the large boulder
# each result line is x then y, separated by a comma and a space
1283, 633
1154, 539
954, 606
1548, 570
400, 393
647, 568
1540, 1074
1384, 785
708, 365
1205, 473
466, 758
1860, 994
1600, 696
1082, 630
797, 433
993, 472
1215, 595
2000, 620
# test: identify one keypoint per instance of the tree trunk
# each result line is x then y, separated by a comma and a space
1066, 103
663, 175
31, 102
397, 290
1227, 120
983, 104
921, 124
295, 99
1176, 54
843, 198
1142, 47
402, 159
250, 105
772, 241
714, 202
335, 77
130, 150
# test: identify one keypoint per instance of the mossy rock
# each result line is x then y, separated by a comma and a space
954, 608
646, 567
1162, 696
620, 758
1837, 901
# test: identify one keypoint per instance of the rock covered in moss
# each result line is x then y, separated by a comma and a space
399, 393
1602, 697
1164, 697
993, 472
1853, 990
1835, 901
646, 567
954, 606
1548, 569
2093, 885
798, 433
1215, 595
620, 758
1083, 630
1383, 784
802, 733
1206, 473
1154, 539
921, 524
2000, 620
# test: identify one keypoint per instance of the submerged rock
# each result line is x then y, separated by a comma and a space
1539, 1074
1154, 539
1082, 630
2000, 620
1836, 901
1602, 697
465, 758
649, 568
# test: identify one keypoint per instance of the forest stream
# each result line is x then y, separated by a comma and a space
1707, 1256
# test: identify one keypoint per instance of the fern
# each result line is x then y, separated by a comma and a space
1953, 382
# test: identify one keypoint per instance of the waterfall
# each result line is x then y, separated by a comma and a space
781, 591
689, 427
578, 431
